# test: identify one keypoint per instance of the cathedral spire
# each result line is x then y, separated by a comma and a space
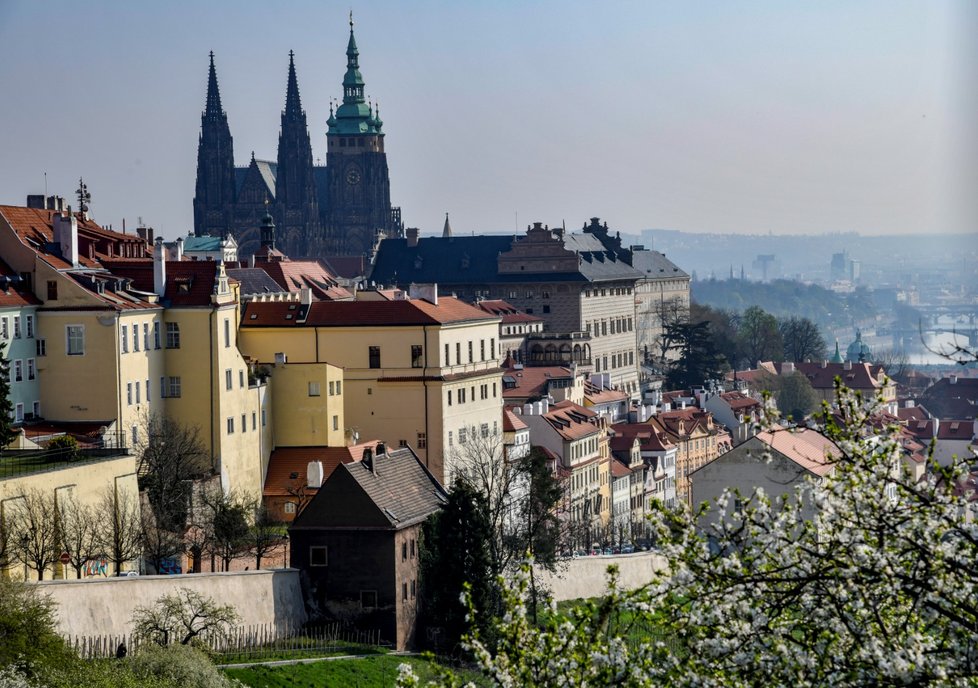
213, 107
446, 232
293, 106
353, 116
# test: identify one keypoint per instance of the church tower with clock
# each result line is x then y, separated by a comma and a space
358, 204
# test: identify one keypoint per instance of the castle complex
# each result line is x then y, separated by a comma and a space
341, 208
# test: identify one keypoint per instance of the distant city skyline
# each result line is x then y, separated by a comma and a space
750, 117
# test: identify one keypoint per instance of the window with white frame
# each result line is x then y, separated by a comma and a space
75, 340
18, 370
124, 338
231, 425
16, 327
29, 325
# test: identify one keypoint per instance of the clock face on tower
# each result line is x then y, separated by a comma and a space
353, 176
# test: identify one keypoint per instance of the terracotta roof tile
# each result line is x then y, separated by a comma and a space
807, 448
361, 313
287, 466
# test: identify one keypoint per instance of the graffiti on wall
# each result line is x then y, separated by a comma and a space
96, 567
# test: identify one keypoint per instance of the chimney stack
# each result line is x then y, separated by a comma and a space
66, 235
159, 267
412, 236
314, 474
178, 247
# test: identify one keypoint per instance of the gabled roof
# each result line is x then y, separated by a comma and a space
524, 383
294, 275
682, 423
655, 265
809, 449
512, 422
946, 429
398, 491
650, 437
571, 421
738, 401
861, 376
406, 313
287, 466
618, 469
34, 228
267, 171
595, 395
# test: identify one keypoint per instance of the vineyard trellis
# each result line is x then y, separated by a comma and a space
244, 643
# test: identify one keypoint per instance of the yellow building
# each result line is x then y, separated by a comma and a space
205, 381
697, 439
416, 372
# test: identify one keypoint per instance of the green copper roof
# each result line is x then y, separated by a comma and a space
354, 116
837, 358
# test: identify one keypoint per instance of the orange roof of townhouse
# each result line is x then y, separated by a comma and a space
650, 437
571, 421
597, 395
809, 449
295, 275
410, 312
858, 376
287, 466
520, 382
618, 469
34, 227
923, 430
684, 422
508, 312
739, 401
512, 422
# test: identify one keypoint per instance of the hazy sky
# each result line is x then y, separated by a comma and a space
786, 117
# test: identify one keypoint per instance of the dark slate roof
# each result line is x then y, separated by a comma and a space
268, 170
654, 265
255, 281
397, 493
472, 260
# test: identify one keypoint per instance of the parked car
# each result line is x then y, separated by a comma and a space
627, 548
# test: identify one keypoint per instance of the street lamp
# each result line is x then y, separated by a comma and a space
285, 561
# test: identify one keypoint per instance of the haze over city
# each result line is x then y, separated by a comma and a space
745, 118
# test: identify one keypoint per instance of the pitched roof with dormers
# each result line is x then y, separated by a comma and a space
526, 383
12, 296
650, 437
572, 421
188, 282
295, 275
738, 401
406, 313
34, 227
509, 313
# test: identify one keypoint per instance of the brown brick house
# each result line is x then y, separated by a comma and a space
357, 540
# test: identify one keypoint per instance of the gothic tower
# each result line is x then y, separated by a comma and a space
296, 202
358, 207
215, 191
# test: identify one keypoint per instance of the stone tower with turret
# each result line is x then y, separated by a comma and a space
215, 193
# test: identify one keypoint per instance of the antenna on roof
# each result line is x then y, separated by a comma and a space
45, 184
83, 195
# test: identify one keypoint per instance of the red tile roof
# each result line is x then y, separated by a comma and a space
188, 282
294, 275
362, 313
287, 465
508, 312
512, 422
650, 437
807, 448
35, 229
596, 395
739, 401
532, 382
619, 470
571, 421
12, 296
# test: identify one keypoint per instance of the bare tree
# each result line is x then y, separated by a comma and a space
802, 340
159, 543
79, 533
181, 617
895, 363
228, 516
265, 535
170, 456
299, 494
34, 534
666, 314
119, 531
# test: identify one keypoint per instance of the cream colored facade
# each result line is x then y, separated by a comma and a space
307, 404
87, 483
207, 385
426, 401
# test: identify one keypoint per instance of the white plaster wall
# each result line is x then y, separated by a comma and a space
100, 606
588, 576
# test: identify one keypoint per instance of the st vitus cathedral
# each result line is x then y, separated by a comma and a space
342, 208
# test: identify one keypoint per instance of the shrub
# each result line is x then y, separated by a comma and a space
178, 665
27, 636
67, 445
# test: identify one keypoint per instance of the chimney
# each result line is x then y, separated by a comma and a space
159, 267
910, 403
314, 474
953, 379
368, 458
825, 364
787, 367
847, 365
66, 235
428, 292
145, 233
527, 409
412, 236
179, 248
545, 405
